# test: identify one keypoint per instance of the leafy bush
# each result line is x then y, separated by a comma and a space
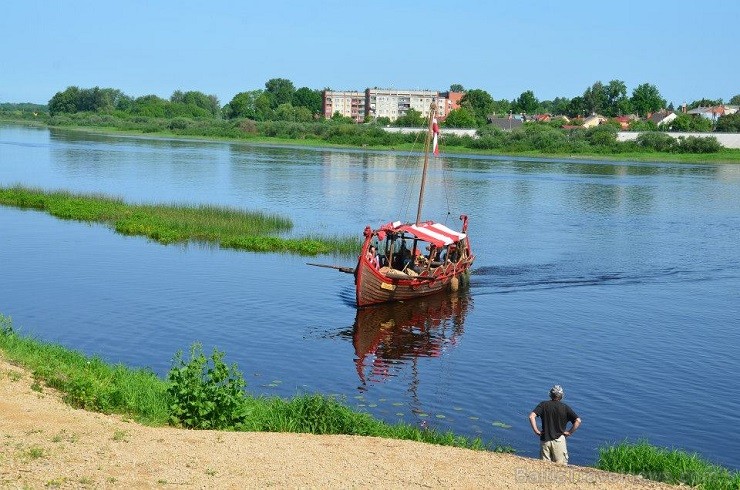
602, 135
248, 126
640, 125
206, 394
695, 144
656, 141
179, 123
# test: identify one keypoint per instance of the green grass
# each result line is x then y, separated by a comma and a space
90, 383
666, 465
727, 155
228, 228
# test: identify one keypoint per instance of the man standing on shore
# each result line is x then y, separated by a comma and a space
555, 416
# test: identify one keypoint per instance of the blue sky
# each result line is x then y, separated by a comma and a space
687, 48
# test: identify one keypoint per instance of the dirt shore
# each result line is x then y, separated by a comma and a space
47, 444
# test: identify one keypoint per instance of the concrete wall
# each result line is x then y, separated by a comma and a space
728, 140
443, 131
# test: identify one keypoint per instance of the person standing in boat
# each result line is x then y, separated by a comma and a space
372, 257
555, 416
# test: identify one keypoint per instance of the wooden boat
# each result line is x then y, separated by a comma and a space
410, 260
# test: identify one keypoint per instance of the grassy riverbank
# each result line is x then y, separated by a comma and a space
89, 383
670, 466
199, 393
532, 141
227, 228
454, 146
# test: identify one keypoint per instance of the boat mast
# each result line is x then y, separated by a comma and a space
427, 143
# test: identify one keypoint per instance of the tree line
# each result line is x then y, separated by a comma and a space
280, 100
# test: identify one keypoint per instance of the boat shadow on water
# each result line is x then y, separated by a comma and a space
387, 337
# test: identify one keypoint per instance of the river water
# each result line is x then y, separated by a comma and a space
619, 281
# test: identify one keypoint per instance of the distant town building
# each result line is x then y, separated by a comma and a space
506, 123
347, 104
395, 103
593, 121
662, 117
451, 100
388, 103
713, 113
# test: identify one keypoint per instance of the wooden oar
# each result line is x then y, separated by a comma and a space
347, 270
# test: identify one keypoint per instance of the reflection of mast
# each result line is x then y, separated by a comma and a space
387, 337
414, 386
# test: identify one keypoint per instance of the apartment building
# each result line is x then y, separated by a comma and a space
388, 103
395, 103
348, 104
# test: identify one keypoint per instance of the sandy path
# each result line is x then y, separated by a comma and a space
47, 444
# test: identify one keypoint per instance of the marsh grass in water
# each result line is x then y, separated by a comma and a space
201, 392
666, 465
228, 228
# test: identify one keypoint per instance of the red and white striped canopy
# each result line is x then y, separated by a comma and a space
437, 234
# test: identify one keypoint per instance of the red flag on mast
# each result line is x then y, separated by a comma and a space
435, 143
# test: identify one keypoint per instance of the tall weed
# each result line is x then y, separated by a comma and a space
206, 393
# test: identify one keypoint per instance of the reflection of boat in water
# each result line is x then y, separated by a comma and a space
391, 335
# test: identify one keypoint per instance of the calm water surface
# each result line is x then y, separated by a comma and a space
620, 281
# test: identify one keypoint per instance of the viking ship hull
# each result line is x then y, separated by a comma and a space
375, 285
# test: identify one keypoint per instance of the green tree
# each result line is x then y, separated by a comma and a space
460, 118
149, 106
65, 102
502, 106
576, 107
456, 87
194, 98
412, 119
646, 98
681, 123
729, 123
559, 106
526, 103
617, 103
263, 107
337, 117
243, 105
735, 100
96, 99
308, 98
704, 103
286, 112
595, 99
281, 91
687, 123
479, 103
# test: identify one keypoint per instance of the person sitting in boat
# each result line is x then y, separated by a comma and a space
372, 257
381, 242
453, 254
421, 263
433, 256
401, 255
406, 260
